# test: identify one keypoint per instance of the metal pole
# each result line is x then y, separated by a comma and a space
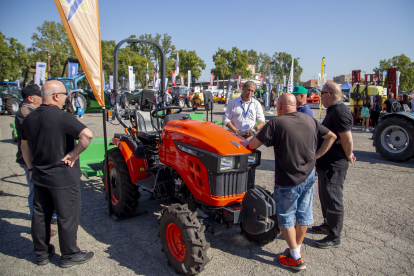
298, 70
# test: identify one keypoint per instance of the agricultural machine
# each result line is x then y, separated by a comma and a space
181, 96
203, 166
393, 137
10, 97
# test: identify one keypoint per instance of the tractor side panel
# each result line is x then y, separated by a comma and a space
136, 166
193, 173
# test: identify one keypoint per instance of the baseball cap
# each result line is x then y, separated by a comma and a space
299, 90
31, 90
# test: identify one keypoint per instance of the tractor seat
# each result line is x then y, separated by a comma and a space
172, 117
149, 136
145, 130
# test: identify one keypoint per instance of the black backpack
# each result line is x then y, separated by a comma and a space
396, 107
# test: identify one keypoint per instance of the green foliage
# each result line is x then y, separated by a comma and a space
127, 57
190, 61
13, 58
281, 65
404, 65
53, 39
234, 61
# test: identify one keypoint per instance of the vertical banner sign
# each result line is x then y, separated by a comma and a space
323, 61
211, 79
268, 96
154, 82
18, 83
40, 73
130, 81
193, 81
217, 82
398, 74
182, 80
172, 78
261, 82
239, 81
147, 74
103, 79
177, 67
230, 86
81, 21
133, 83
156, 70
111, 82
290, 83
188, 80
284, 80
73, 69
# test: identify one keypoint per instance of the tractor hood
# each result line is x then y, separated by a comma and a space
206, 135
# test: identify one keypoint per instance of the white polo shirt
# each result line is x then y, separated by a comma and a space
243, 115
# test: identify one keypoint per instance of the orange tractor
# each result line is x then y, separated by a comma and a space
205, 167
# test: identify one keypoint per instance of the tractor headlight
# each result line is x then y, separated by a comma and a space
227, 163
253, 159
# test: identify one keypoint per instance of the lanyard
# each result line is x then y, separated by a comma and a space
242, 106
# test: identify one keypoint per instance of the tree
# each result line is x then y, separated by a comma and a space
51, 39
404, 65
281, 66
264, 61
234, 61
253, 58
127, 57
13, 58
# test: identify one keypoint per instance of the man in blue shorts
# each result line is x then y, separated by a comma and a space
294, 137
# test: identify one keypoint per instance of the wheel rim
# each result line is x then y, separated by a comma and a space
114, 184
181, 103
394, 139
175, 243
15, 106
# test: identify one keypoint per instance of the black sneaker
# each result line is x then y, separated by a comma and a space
80, 258
51, 252
321, 229
327, 243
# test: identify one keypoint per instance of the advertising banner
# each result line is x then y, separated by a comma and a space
290, 83
188, 80
18, 83
268, 91
239, 80
111, 82
130, 78
261, 82
73, 69
177, 67
211, 79
217, 82
172, 78
284, 80
147, 74
182, 80
40, 73
398, 74
230, 87
103, 79
81, 21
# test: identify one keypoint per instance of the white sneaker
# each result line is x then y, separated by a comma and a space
367, 130
363, 129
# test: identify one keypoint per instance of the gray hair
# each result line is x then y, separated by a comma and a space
249, 83
47, 92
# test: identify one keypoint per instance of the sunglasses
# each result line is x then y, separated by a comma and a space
63, 93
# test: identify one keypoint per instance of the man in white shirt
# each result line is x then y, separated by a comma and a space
167, 97
243, 112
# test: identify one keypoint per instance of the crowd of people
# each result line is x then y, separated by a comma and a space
303, 148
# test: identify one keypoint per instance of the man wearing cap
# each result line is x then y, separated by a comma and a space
301, 94
32, 98
51, 154
243, 112
295, 156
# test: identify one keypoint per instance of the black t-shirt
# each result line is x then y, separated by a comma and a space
294, 137
51, 134
388, 102
24, 110
338, 120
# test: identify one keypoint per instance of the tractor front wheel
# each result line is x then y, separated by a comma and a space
181, 102
124, 194
183, 241
12, 106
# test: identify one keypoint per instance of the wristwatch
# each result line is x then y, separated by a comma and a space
30, 170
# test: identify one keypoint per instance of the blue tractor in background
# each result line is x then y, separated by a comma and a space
10, 97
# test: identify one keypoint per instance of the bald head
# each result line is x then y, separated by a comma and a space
52, 86
334, 89
286, 104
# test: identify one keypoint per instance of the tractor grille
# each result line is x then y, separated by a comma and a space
230, 184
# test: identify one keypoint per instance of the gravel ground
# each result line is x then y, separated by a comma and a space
377, 236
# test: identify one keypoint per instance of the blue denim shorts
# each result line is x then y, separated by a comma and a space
295, 201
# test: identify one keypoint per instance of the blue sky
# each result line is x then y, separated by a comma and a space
351, 35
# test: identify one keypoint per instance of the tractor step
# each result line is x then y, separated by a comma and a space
146, 183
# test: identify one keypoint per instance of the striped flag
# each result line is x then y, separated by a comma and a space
211, 79
261, 82
81, 21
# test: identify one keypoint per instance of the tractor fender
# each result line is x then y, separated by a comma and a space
136, 166
399, 114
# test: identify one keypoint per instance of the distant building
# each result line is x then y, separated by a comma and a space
313, 83
342, 78
252, 68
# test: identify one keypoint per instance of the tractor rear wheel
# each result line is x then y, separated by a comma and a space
266, 237
12, 106
189, 104
394, 138
84, 102
183, 241
124, 194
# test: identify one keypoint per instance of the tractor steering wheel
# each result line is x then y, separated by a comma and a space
161, 116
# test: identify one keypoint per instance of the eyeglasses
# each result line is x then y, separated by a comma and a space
63, 93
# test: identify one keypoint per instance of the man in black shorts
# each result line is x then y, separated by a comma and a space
333, 166
294, 137
51, 154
